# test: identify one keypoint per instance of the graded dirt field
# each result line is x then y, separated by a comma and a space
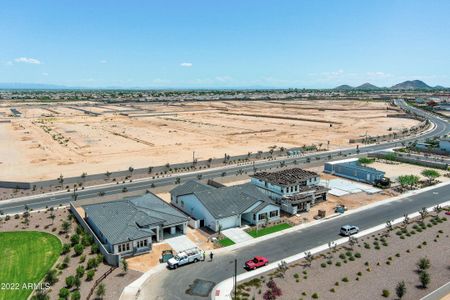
69, 139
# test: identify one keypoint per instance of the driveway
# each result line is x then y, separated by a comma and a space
180, 243
237, 235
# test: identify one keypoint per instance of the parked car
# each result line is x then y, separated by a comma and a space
348, 230
186, 257
256, 262
447, 213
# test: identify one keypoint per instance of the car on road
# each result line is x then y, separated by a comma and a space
447, 213
256, 262
348, 230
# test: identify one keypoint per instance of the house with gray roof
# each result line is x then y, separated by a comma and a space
224, 207
129, 226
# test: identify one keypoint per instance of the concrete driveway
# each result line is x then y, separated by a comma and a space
180, 243
237, 235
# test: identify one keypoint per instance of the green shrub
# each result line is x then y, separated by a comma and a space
315, 296
338, 264
63, 293
385, 293
90, 275
345, 279
358, 255
323, 265
78, 248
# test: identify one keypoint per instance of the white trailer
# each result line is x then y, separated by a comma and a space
185, 257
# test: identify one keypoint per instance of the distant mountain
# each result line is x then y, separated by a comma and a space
366, 86
344, 87
411, 85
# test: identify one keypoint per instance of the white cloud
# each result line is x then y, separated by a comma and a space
103, 61
186, 64
28, 60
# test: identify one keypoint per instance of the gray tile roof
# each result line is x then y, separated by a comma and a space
229, 201
125, 220
189, 187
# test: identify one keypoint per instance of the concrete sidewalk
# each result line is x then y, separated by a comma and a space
223, 290
237, 235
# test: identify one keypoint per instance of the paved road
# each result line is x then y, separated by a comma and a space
173, 284
46, 200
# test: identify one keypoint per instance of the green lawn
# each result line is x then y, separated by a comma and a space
25, 257
226, 242
260, 232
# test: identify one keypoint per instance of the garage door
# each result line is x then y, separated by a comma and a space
229, 222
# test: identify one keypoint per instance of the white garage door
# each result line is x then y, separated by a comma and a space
229, 222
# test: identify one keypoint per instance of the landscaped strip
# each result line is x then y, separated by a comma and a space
226, 242
260, 232
25, 257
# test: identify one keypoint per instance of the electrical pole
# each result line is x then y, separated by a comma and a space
235, 278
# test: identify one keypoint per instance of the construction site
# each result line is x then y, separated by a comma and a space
72, 138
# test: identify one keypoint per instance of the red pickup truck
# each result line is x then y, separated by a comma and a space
256, 262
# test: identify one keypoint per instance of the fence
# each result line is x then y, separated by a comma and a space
111, 259
91, 292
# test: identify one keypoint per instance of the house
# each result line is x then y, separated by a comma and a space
128, 227
294, 189
352, 169
224, 207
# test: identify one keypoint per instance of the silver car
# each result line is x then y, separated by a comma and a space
348, 230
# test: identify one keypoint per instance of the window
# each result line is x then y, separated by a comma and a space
274, 213
120, 248
262, 216
182, 203
128, 246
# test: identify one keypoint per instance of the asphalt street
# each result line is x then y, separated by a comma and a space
63, 198
172, 284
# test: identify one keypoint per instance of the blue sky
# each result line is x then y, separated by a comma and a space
231, 43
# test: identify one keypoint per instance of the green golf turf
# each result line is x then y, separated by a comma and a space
25, 257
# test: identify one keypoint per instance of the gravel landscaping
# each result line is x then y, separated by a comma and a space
369, 268
67, 263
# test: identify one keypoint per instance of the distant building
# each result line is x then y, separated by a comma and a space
444, 144
294, 189
224, 207
128, 227
352, 169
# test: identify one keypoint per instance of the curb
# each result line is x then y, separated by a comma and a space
223, 290
331, 217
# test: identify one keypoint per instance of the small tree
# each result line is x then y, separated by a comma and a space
51, 277
80, 271
101, 291
124, 265
405, 220
430, 174
282, 268
423, 213
309, 258
66, 226
70, 281
424, 278
79, 248
437, 209
64, 293
423, 264
400, 289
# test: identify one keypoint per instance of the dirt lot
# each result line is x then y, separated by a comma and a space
395, 169
344, 274
45, 141
41, 221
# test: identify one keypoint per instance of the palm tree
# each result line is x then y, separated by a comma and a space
131, 169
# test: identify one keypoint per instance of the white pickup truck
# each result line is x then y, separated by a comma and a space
185, 257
